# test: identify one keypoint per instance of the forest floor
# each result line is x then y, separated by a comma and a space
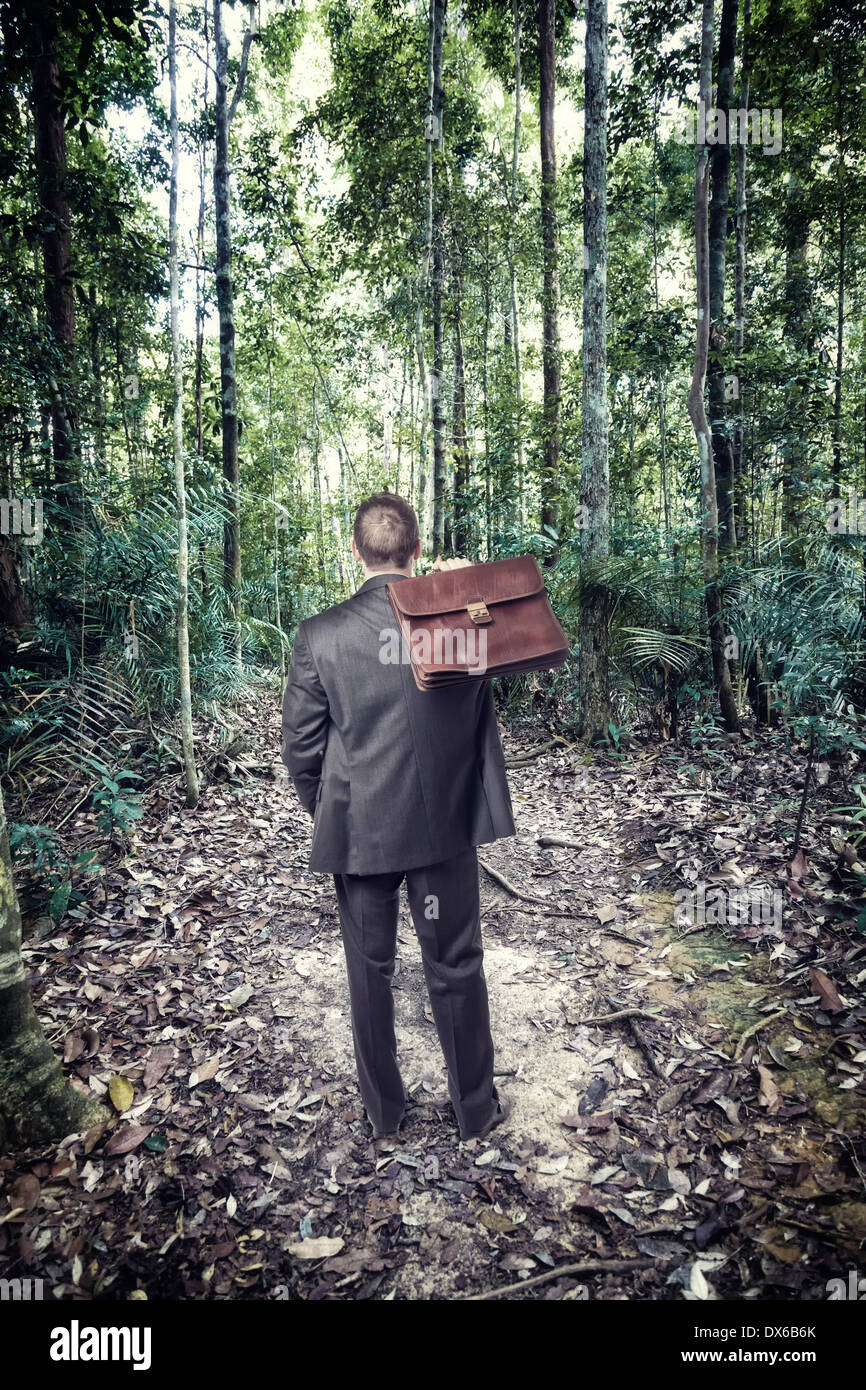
708, 1146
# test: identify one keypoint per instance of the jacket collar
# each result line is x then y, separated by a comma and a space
378, 581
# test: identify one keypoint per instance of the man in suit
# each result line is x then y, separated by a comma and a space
401, 783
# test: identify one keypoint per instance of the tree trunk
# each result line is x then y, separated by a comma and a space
424, 386
512, 265
593, 679
200, 280
440, 467
836, 474
697, 411
797, 315
740, 283
461, 533
187, 739
660, 385
550, 254
225, 304
50, 141
37, 1104
720, 169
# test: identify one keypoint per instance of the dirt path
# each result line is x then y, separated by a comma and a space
210, 974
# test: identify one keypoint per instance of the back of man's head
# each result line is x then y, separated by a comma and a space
385, 531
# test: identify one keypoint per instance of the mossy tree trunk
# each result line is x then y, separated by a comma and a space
37, 1104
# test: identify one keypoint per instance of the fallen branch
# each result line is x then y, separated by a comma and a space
548, 841
618, 1016
581, 1267
509, 887
523, 759
652, 1060
755, 1028
640, 1041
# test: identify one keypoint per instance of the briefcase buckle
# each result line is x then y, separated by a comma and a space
479, 613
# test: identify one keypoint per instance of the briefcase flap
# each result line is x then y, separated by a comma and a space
453, 591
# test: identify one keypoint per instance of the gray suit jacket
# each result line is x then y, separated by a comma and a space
393, 776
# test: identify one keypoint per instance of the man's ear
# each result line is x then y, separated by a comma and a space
355, 552
418, 548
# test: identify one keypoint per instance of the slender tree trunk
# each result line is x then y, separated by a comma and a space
740, 283
797, 316
720, 171
37, 1104
96, 369
398, 464
840, 312
225, 304
187, 738
485, 350
200, 277
593, 677
512, 261
550, 252
462, 538
317, 484
440, 466
660, 385
424, 385
387, 419
696, 408
50, 140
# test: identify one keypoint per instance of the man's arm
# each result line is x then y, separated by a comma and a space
305, 722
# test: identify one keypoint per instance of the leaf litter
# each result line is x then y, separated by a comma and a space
710, 1118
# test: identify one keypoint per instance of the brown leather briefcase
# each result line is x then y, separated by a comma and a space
490, 619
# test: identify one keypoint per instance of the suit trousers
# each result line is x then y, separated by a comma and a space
444, 902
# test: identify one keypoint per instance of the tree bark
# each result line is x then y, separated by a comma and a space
740, 283
797, 315
836, 473
720, 172
512, 264
225, 303
37, 1104
440, 466
696, 408
593, 674
550, 255
50, 141
461, 533
187, 739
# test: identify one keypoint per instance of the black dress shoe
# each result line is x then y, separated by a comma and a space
503, 1110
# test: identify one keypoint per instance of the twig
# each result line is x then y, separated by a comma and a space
521, 759
548, 841
640, 1041
645, 1048
509, 887
543, 912
581, 1267
809, 761
755, 1028
618, 1016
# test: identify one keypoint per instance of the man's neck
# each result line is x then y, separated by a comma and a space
389, 569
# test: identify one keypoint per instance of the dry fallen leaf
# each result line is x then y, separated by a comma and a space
799, 866
317, 1249
157, 1065
768, 1093
25, 1192
123, 1141
206, 1072
823, 986
121, 1092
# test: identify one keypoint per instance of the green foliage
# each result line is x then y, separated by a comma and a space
118, 806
